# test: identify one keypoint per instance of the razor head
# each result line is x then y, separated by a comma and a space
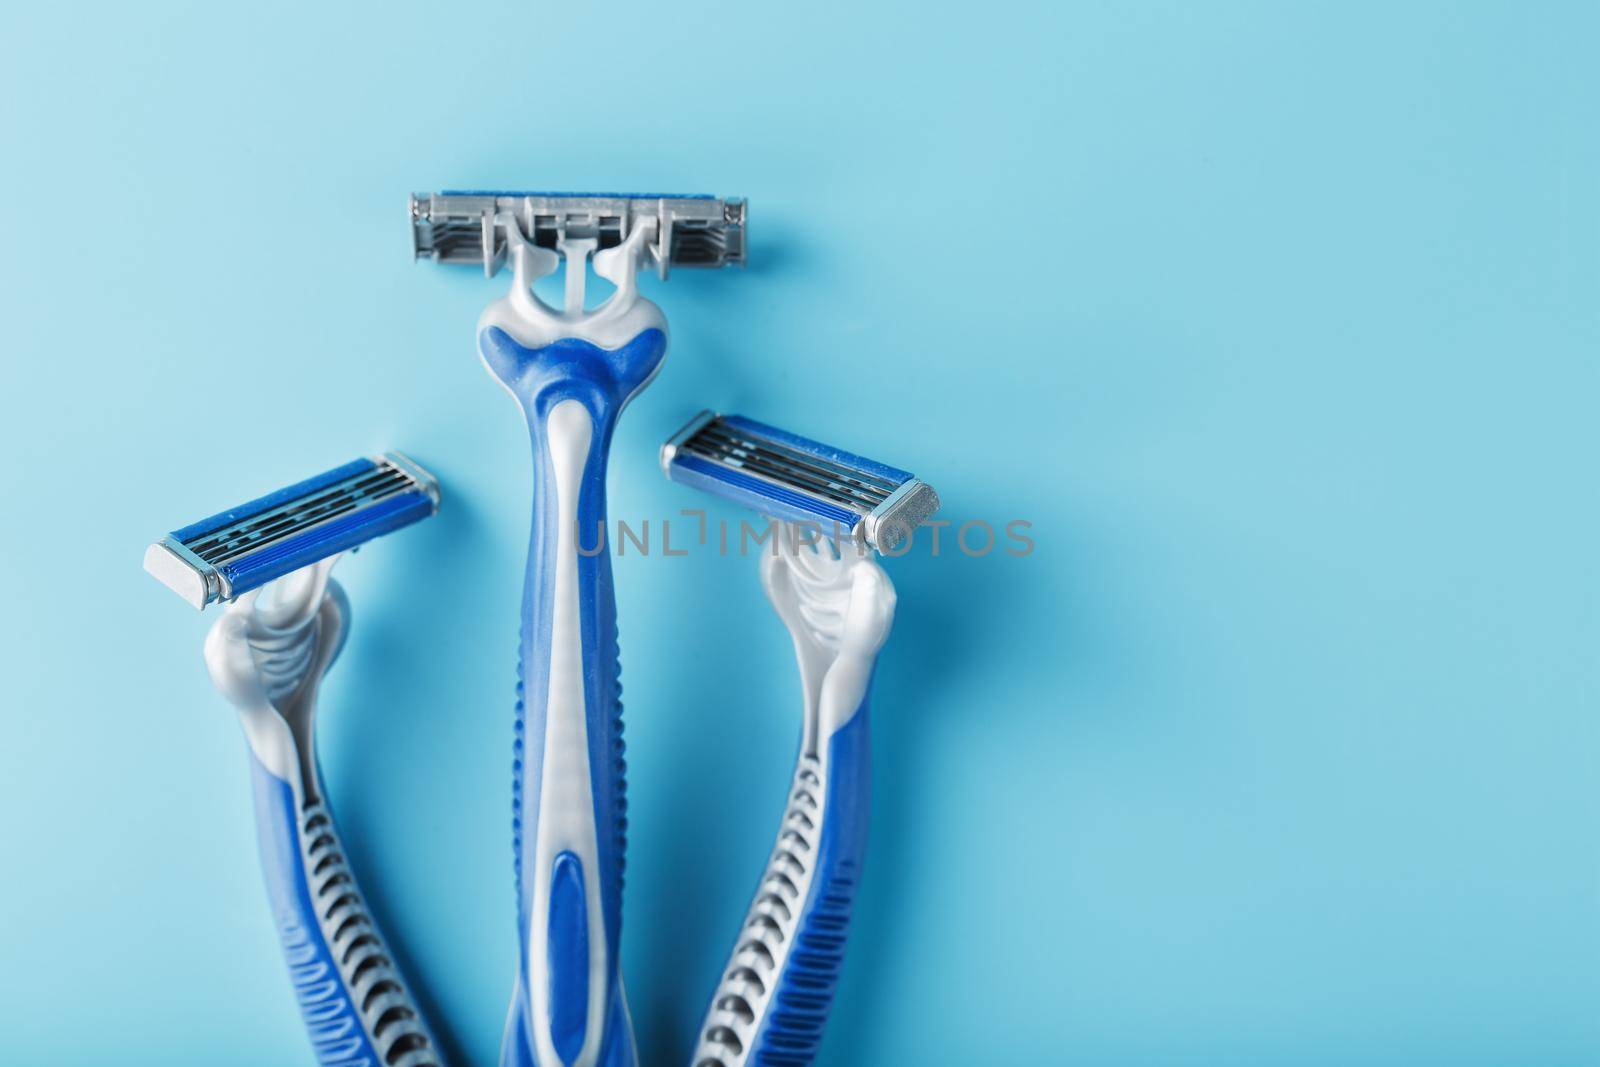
797, 479
692, 231
248, 546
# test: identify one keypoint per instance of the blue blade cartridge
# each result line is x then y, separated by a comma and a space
247, 546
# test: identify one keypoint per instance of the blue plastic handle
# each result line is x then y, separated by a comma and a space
328, 1005
810, 973
355, 1006
568, 1005
771, 1004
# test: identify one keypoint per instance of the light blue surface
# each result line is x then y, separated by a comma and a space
1279, 322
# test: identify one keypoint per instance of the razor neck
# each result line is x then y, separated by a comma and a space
839, 607
620, 318
272, 675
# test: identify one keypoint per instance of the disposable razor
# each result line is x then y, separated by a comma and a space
284, 624
772, 1002
572, 371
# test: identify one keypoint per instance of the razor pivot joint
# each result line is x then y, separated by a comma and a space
283, 627
571, 370
772, 1003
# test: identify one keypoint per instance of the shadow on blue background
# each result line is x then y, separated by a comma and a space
1278, 322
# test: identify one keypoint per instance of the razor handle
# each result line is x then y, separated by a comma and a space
772, 1003
569, 804
356, 1008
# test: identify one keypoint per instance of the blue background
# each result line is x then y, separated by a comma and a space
1279, 322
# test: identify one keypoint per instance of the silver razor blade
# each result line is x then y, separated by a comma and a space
691, 231
796, 479
245, 547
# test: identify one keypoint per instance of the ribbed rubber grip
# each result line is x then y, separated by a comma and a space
354, 1002
772, 1003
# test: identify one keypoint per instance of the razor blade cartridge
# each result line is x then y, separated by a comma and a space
248, 546
464, 226
793, 478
